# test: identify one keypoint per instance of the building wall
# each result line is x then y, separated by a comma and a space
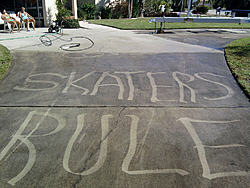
49, 11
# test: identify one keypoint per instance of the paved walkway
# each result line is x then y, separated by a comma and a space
134, 110
107, 40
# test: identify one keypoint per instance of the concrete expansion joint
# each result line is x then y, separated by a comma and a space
100, 49
131, 106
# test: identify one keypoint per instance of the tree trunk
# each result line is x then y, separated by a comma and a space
141, 6
130, 8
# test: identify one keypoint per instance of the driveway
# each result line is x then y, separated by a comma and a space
112, 108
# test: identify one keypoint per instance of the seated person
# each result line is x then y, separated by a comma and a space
10, 20
27, 18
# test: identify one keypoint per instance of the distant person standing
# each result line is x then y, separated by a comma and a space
27, 18
162, 10
11, 20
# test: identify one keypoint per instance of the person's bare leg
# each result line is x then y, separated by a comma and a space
13, 24
34, 23
19, 25
27, 23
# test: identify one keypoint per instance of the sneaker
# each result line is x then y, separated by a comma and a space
28, 30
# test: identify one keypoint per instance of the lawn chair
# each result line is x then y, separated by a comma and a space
23, 23
7, 26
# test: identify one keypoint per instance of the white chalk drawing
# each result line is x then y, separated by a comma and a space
103, 147
187, 122
119, 84
12, 146
154, 87
230, 92
28, 79
130, 83
141, 144
150, 75
131, 153
24, 140
182, 85
72, 83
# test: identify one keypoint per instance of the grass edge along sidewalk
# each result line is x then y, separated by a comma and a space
143, 24
237, 54
5, 60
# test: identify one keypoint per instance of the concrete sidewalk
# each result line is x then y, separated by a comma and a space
106, 39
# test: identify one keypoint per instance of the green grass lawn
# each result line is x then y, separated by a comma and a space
238, 58
5, 60
142, 24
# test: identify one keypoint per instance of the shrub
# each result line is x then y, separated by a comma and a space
63, 12
154, 7
81, 14
116, 15
106, 12
136, 9
176, 5
202, 9
71, 23
120, 10
195, 12
232, 4
158, 3
87, 10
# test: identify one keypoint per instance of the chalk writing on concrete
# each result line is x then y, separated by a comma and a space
131, 153
154, 86
230, 92
24, 140
72, 83
187, 122
119, 84
103, 147
130, 82
135, 121
182, 85
184, 88
29, 80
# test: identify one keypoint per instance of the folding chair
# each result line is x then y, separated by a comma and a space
7, 25
23, 23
